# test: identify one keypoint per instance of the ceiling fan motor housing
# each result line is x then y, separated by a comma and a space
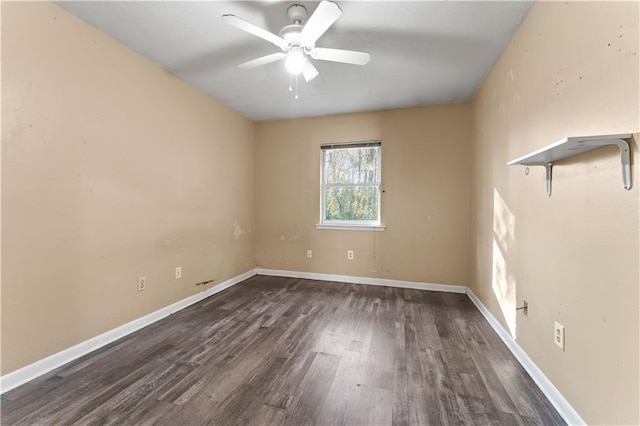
291, 33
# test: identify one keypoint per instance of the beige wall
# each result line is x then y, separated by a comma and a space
571, 70
425, 176
112, 169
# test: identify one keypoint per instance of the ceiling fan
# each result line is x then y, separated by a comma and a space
298, 41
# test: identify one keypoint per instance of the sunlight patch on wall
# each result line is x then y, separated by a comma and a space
504, 223
503, 284
503, 281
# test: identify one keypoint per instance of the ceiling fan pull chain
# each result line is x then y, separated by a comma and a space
290, 89
296, 86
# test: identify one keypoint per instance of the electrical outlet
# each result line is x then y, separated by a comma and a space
558, 334
142, 283
178, 272
350, 254
309, 254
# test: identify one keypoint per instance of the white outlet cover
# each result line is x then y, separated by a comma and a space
309, 254
558, 335
350, 254
178, 272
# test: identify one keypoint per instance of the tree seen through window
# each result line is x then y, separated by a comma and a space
351, 183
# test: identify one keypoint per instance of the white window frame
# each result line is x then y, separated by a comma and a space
352, 225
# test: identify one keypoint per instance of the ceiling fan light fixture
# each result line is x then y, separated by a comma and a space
295, 60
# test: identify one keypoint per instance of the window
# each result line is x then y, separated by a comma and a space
351, 186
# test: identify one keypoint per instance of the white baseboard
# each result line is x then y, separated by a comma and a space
565, 409
38, 368
446, 288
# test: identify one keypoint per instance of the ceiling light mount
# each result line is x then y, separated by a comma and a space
297, 13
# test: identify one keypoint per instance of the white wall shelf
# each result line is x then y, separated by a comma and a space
568, 147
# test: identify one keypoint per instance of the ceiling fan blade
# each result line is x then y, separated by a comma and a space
323, 17
264, 60
309, 72
248, 27
338, 55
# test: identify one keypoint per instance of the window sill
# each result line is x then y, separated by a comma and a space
350, 227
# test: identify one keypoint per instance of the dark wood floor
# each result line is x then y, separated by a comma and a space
280, 350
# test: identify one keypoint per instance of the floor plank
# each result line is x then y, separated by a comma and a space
291, 351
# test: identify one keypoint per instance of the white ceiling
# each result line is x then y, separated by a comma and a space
422, 52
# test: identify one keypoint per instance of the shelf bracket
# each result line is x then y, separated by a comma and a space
625, 157
548, 167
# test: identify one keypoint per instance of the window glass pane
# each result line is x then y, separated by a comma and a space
351, 203
351, 165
